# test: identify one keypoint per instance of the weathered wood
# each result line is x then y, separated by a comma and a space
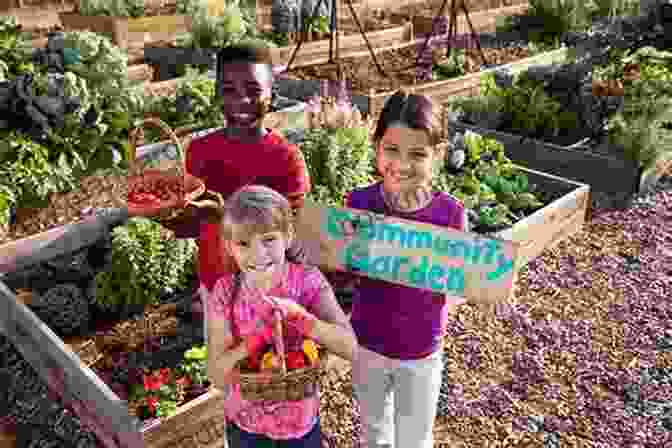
126, 30
618, 179
397, 248
485, 275
52, 243
548, 226
200, 423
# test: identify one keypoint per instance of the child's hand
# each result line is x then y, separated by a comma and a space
256, 342
296, 315
411, 197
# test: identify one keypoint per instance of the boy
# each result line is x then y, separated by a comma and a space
241, 154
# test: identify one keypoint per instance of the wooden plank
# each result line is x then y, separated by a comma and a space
405, 252
483, 21
125, 30
199, 423
59, 367
52, 243
549, 225
328, 247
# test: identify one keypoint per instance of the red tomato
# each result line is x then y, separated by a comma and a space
295, 360
143, 198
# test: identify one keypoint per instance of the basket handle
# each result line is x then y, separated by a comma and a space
278, 339
136, 133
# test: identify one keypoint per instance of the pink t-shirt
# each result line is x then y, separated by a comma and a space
277, 420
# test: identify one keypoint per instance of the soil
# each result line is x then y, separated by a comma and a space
399, 64
64, 208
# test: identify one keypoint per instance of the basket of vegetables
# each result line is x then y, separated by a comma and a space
164, 192
279, 375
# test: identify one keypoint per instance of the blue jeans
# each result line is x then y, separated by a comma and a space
238, 438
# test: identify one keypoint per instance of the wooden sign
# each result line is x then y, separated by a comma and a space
408, 253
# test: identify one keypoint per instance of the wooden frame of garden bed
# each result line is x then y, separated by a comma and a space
199, 422
126, 30
483, 21
442, 91
616, 180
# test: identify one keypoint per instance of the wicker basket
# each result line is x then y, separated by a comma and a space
193, 188
277, 386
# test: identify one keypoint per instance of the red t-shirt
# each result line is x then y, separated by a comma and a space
225, 165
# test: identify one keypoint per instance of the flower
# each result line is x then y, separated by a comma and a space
156, 379
152, 403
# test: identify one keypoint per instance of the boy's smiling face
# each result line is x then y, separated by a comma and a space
244, 89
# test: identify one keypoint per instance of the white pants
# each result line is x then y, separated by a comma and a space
397, 399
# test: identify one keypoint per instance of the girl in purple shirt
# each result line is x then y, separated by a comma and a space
397, 370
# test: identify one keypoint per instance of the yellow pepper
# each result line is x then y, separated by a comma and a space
269, 361
310, 349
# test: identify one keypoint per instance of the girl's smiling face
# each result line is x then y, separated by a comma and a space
244, 89
262, 253
405, 159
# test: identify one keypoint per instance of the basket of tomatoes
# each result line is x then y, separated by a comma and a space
274, 375
164, 192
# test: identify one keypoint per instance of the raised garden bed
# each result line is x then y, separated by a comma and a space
423, 17
314, 52
574, 132
370, 89
614, 179
127, 30
83, 371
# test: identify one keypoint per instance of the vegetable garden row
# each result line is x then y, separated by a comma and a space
539, 134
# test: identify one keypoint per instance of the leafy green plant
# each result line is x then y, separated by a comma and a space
558, 17
317, 24
15, 49
189, 7
31, 171
209, 31
113, 8
613, 8
488, 183
339, 160
145, 262
194, 365
452, 68
527, 107
204, 109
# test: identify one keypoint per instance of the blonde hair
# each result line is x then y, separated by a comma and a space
258, 210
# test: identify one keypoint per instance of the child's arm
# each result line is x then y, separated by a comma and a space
293, 180
324, 321
223, 353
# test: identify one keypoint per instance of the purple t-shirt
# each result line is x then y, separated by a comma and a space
394, 320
